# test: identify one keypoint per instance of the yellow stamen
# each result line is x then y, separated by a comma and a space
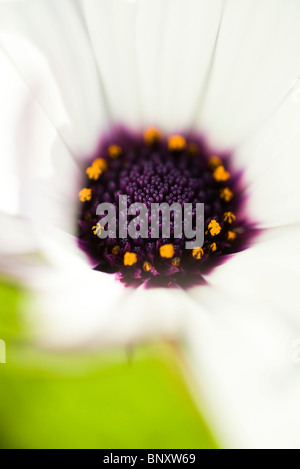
85, 195
130, 258
114, 151
100, 163
213, 247
147, 266
167, 251
197, 253
231, 236
214, 162
220, 174
97, 229
93, 172
176, 143
229, 217
116, 250
176, 261
214, 228
152, 135
226, 194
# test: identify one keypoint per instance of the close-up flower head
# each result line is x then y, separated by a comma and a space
150, 219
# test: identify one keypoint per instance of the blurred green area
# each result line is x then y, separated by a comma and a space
92, 400
10, 323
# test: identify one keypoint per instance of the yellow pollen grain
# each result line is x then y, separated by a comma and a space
226, 194
229, 217
152, 135
214, 162
214, 228
220, 174
176, 261
197, 253
176, 143
147, 266
231, 236
85, 195
213, 247
100, 163
130, 258
114, 151
116, 250
167, 251
93, 172
97, 229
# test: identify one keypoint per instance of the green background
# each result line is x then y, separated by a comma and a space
92, 400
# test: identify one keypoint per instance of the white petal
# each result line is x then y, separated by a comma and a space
256, 60
272, 168
243, 344
268, 271
155, 68
92, 310
242, 355
48, 44
17, 236
111, 26
21, 249
13, 95
53, 200
29, 252
175, 43
39, 177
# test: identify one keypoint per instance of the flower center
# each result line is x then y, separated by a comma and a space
164, 173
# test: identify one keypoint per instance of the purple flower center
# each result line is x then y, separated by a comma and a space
151, 169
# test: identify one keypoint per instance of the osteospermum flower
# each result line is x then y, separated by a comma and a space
209, 93
157, 174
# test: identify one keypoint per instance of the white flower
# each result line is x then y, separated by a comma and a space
229, 69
